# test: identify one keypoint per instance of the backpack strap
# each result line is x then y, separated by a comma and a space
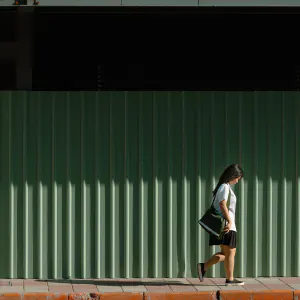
228, 199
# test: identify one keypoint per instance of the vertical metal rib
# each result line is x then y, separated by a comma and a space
256, 197
12, 207
98, 192
297, 184
84, 240
284, 192
269, 197
141, 191
155, 194
184, 188
198, 176
25, 192
170, 196
40, 192
225, 133
69, 193
212, 165
113, 200
54, 193
242, 194
127, 199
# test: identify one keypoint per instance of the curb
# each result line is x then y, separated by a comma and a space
258, 295
216, 295
181, 296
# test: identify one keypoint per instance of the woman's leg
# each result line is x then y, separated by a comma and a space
229, 261
203, 267
216, 258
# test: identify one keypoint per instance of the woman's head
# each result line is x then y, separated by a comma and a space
232, 174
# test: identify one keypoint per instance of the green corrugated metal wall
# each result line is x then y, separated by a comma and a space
113, 184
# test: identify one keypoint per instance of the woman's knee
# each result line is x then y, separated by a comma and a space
220, 256
232, 251
228, 251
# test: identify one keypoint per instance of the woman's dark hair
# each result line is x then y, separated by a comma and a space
230, 173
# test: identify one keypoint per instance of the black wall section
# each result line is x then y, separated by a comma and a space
7, 75
7, 25
165, 49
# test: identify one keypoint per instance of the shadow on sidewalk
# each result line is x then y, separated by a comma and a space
114, 282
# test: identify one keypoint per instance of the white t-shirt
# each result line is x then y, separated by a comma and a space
222, 194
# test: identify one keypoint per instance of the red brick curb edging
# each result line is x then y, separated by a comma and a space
257, 295
181, 296
33, 296
218, 295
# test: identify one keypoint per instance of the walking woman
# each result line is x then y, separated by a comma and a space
222, 193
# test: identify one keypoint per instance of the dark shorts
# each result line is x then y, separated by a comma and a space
229, 239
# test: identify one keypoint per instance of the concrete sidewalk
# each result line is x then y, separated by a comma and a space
161, 285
